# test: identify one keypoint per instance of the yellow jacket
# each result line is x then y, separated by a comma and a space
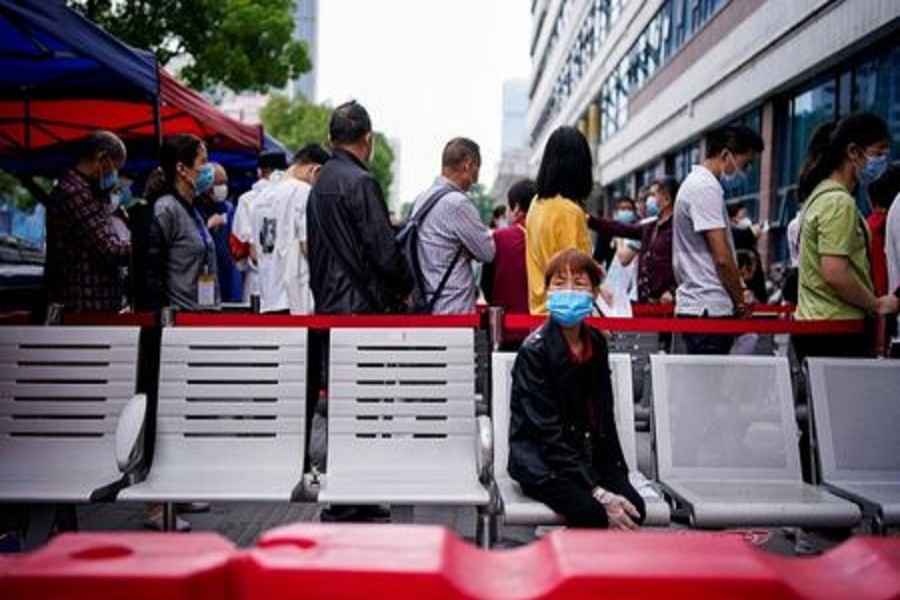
553, 225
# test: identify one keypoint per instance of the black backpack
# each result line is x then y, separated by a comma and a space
407, 239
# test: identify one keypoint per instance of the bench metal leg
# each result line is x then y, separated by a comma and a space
169, 516
402, 513
486, 529
41, 519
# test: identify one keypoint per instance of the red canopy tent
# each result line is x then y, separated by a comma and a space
38, 124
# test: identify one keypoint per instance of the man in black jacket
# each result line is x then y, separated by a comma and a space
355, 265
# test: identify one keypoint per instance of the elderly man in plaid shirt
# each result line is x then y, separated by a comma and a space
84, 254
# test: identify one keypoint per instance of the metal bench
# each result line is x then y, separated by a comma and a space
402, 426
856, 410
62, 390
519, 509
231, 417
726, 444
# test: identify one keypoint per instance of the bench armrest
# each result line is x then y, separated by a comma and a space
484, 449
129, 451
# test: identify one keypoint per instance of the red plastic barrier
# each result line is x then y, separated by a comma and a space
142, 319
398, 562
668, 310
327, 561
323, 321
110, 566
682, 325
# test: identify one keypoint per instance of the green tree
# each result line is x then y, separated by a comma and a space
483, 201
300, 122
241, 44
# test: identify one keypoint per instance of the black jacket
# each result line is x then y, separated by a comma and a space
346, 206
549, 432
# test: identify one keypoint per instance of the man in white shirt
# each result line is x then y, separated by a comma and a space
271, 167
709, 284
278, 236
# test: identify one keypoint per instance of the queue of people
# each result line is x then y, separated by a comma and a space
316, 236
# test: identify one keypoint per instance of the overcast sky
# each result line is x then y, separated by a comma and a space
427, 71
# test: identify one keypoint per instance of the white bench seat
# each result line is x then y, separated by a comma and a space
856, 411
727, 444
62, 390
401, 419
231, 417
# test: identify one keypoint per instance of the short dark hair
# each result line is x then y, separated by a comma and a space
180, 148
574, 261
312, 153
272, 159
499, 211
626, 200
670, 184
520, 195
883, 190
566, 167
733, 208
349, 123
458, 150
739, 139
745, 259
102, 142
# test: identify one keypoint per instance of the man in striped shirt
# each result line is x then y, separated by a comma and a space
452, 233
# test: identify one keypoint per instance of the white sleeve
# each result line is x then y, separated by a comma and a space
242, 227
706, 209
300, 212
892, 244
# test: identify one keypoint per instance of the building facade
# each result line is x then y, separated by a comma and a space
514, 156
645, 79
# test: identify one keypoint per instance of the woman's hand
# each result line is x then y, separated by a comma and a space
619, 511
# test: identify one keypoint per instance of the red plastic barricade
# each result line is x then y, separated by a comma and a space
328, 561
136, 566
397, 562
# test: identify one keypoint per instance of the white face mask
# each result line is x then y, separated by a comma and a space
220, 192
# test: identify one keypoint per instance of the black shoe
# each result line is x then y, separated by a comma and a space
374, 514
355, 514
338, 514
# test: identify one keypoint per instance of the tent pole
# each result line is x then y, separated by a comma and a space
27, 108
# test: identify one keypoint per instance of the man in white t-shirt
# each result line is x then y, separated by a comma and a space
709, 284
278, 236
270, 169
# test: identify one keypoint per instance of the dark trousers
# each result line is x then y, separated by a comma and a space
573, 500
706, 343
857, 345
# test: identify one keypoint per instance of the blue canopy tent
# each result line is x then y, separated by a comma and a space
62, 77
50, 56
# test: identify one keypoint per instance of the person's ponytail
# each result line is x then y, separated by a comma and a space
819, 161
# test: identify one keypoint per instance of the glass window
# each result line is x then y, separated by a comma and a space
877, 90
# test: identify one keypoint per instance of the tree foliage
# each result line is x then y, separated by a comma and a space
300, 122
483, 201
241, 44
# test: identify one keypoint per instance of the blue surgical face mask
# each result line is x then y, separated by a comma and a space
205, 176
873, 169
109, 181
569, 307
735, 179
625, 216
652, 206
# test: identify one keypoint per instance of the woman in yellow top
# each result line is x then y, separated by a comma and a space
556, 220
835, 280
